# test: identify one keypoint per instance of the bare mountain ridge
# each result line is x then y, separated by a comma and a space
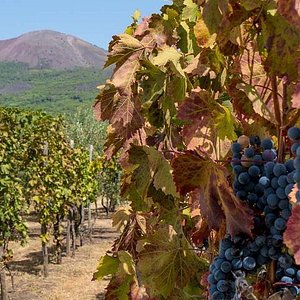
51, 49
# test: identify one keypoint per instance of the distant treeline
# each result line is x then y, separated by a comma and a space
54, 91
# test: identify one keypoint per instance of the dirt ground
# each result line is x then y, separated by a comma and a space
71, 279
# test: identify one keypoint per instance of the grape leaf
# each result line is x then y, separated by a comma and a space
122, 47
225, 124
104, 107
108, 265
160, 171
146, 166
290, 10
118, 288
282, 42
213, 12
209, 188
257, 103
190, 11
291, 235
166, 262
199, 110
250, 5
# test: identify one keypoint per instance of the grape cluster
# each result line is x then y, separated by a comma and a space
264, 184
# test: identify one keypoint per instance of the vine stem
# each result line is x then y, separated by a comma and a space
278, 117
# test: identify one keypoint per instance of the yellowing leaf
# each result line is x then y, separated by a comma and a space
107, 265
120, 218
225, 124
167, 263
258, 104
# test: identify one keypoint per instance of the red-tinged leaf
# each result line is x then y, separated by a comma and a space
142, 27
200, 232
104, 105
290, 10
122, 47
291, 235
118, 288
210, 190
204, 279
296, 96
127, 118
259, 288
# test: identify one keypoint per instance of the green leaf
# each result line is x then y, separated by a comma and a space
167, 54
250, 5
190, 11
282, 42
107, 265
258, 104
136, 15
161, 171
225, 124
213, 12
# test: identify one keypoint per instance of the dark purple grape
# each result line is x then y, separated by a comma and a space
289, 164
236, 264
285, 214
219, 275
272, 200
244, 178
280, 193
294, 148
268, 155
226, 267
249, 263
260, 240
297, 163
267, 144
282, 181
280, 224
249, 152
236, 148
254, 171
255, 140
283, 204
290, 272
294, 133
264, 181
285, 261
274, 183
279, 169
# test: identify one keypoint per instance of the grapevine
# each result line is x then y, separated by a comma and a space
187, 84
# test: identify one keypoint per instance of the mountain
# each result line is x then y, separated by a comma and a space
47, 49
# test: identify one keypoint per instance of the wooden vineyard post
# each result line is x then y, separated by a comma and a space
45, 251
68, 238
57, 234
4, 295
73, 233
81, 225
89, 203
44, 228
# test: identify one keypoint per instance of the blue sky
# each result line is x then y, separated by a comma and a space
92, 20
